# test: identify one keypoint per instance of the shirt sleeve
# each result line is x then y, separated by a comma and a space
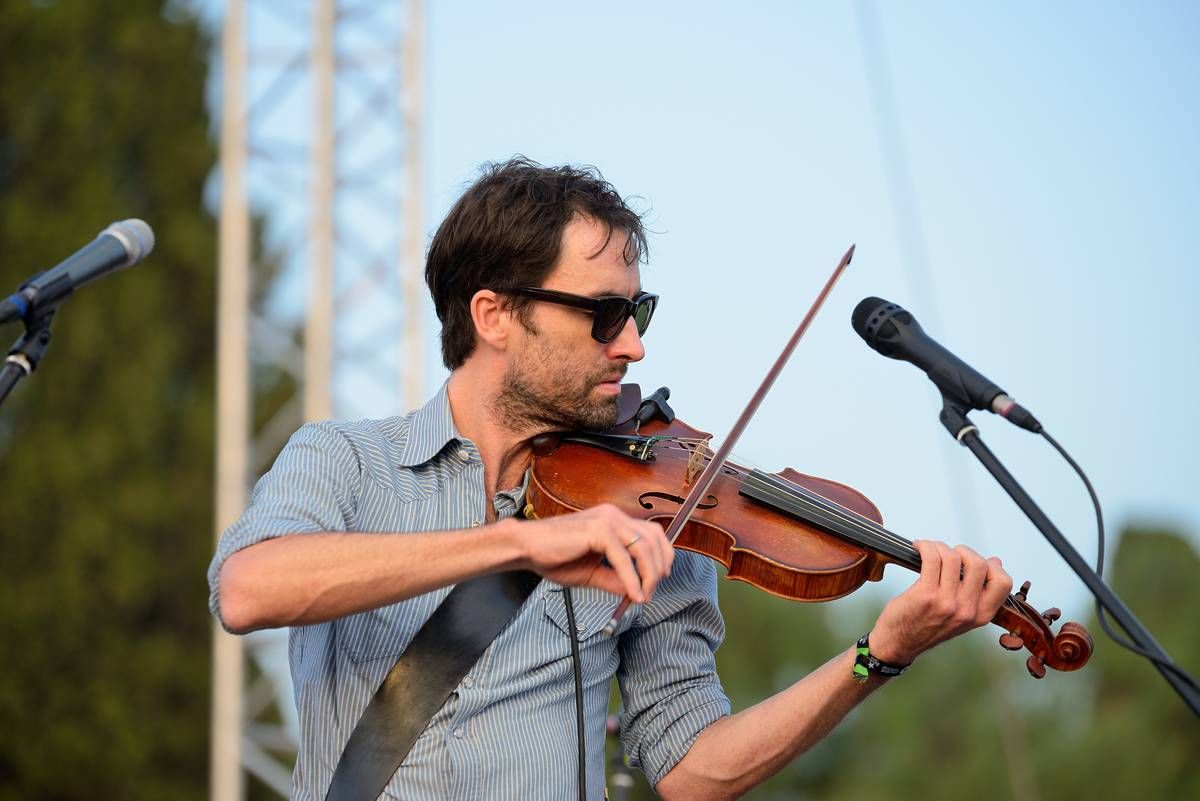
312, 487
668, 673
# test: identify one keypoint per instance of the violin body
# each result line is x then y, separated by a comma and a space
786, 558
765, 529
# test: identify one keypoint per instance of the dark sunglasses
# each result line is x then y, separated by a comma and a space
609, 312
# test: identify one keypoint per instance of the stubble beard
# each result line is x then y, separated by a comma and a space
543, 395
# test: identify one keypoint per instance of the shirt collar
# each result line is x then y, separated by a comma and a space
430, 429
508, 501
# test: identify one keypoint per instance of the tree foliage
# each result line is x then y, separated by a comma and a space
968, 722
106, 452
106, 477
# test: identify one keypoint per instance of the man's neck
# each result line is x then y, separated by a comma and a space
505, 451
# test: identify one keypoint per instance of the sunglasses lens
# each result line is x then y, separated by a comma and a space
610, 319
643, 313
612, 313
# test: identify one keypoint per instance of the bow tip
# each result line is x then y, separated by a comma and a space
849, 255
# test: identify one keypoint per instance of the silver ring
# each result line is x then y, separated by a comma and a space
633, 541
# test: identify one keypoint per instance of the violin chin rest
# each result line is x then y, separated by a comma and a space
628, 402
545, 444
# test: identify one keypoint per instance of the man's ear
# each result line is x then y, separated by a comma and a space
492, 318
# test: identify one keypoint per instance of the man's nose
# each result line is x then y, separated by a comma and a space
628, 344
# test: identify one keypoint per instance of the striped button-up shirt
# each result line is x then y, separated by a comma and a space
508, 730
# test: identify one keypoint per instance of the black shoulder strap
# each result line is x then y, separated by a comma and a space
450, 642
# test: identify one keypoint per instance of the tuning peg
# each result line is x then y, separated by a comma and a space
1012, 642
1052, 614
1024, 591
1036, 667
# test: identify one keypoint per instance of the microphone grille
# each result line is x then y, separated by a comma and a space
135, 235
861, 317
872, 317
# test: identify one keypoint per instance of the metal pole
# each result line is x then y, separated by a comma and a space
318, 338
238, 743
412, 261
233, 404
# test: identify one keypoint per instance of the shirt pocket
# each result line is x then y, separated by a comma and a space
387, 631
593, 610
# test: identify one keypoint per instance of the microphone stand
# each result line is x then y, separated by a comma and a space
27, 351
954, 418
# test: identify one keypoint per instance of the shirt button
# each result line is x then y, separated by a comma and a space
468, 682
464, 454
458, 732
475, 524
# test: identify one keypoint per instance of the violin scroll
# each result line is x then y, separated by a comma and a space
1025, 627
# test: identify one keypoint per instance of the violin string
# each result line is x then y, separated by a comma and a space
796, 492
867, 528
871, 532
803, 494
860, 521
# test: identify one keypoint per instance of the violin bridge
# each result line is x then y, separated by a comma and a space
696, 461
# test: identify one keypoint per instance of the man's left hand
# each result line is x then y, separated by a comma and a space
958, 590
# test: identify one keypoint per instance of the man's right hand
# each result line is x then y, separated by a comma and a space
601, 547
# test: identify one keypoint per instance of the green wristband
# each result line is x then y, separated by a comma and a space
865, 664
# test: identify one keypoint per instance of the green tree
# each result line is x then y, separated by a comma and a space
1132, 736
968, 722
106, 452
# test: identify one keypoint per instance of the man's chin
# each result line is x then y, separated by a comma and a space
598, 412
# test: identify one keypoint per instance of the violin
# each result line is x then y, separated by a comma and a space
790, 534
793, 535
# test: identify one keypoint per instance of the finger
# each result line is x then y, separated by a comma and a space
670, 548
665, 546
651, 535
645, 557
620, 560
951, 575
605, 578
648, 554
999, 585
931, 564
974, 572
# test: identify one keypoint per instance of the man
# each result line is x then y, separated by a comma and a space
514, 271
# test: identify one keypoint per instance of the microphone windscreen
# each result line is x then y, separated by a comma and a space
135, 235
858, 319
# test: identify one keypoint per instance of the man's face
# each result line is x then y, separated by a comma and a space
558, 376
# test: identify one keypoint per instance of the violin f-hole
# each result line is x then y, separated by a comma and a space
709, 502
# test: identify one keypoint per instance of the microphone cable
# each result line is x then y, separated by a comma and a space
1101, 614
573, 633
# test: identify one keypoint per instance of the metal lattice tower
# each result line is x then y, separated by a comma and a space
321, 110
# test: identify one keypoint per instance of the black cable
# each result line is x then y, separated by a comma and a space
1101, 614
578, 692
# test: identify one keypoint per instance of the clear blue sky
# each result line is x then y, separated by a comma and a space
1045, 228
1051, 150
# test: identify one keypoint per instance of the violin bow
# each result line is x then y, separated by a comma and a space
700, 487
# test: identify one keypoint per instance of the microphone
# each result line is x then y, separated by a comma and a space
117, 246
892, 331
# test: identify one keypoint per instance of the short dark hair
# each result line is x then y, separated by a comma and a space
506, 231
